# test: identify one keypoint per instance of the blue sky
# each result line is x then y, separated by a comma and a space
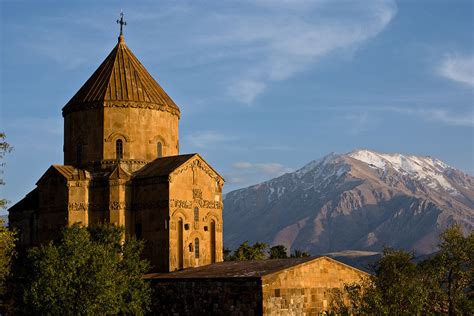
264, 86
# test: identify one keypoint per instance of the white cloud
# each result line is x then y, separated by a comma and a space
458, 68
364, 118
273, 169
244, 173
246, 90
252, 46
449, 118
439, 115
280, 43
232, 179
206, 139
242, 165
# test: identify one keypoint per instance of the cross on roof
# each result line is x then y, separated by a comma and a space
121, 22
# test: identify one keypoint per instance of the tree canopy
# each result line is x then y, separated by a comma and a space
442, 284
261, 251
278, 252
89, 271
246, 251
7, 254
4, 149
299, 254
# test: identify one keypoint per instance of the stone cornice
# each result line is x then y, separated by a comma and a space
76, 107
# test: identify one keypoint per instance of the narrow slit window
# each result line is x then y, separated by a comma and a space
196, 214
159, 149
119, 149
196, 248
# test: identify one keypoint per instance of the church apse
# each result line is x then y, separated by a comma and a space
195, 199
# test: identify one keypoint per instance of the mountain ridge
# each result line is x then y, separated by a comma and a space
360, 200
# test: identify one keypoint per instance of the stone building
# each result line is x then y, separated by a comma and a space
122, 166
270, 287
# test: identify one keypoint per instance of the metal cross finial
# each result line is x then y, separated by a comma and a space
121, 22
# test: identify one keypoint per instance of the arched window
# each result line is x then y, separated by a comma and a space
78, 154
159, 149
196, 214
119, 149
196, 248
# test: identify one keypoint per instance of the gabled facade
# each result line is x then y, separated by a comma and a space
122, 166
299, 286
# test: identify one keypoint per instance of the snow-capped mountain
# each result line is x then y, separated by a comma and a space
362, 200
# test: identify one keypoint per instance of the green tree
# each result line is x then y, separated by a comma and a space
246, 251
7, 254
299, 254
348, 300
397, 286
89, 271
442, 284
7, 237
4, 149
278, 252
453, 268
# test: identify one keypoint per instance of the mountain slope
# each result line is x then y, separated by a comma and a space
362, 200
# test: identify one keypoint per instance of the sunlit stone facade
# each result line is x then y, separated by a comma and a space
122, 166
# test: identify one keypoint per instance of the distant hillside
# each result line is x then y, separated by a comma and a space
361, 200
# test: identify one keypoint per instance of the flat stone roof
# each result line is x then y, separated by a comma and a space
233, 269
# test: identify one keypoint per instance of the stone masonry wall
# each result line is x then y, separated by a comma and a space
305, 289
192, 190
207, 297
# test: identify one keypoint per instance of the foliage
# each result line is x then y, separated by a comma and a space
299, 254
260, 251
397, 287
89, 271
246, 251
347, 301
278, 252
7, 254
442, 284
4, 149
7, 237
454, 270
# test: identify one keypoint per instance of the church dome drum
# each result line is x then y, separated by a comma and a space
120, 113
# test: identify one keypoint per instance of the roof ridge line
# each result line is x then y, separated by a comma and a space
131, 60
97, 84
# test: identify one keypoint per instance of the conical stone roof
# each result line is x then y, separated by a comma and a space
121, 81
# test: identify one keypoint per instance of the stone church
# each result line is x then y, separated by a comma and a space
122, 166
